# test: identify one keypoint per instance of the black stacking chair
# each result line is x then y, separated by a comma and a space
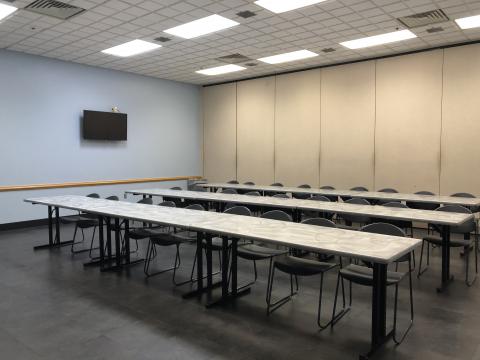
281, 196
302, 196
466, 243
271, 193
259, 252
422, 205
82, 221
232, 182
163, 240
314, 214
253, 208
332, 198
474, 209
363, 275
296, 266
140, 232
178, 202
406, 225
177, 238
228, 191
356, 188
240, 191
248, 183
385, 190
354, 218
112, 198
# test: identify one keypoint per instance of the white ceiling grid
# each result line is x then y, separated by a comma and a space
113, 22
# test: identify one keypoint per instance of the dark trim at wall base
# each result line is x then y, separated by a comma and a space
25, 224
348, 62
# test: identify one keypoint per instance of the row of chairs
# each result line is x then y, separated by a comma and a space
285, 261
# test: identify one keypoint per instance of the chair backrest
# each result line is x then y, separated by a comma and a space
277, 184
305, 186
232, 182
302, 196
395, 204
229, 191
319, 222
253, 193
176, 188
167, 204
356, 218
282, 196
384, 229
112, 198
359, 188
239, 210
327, 187
357, 201
277, 215
466, 227
148, 201
319, 198
94, 196
388, 190
195, 207
248, 183
463, 195
421, 205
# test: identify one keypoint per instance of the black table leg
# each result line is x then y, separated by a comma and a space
109, 239
209, 261
379, 309
118, 250
53, 242
101, 242
446, 278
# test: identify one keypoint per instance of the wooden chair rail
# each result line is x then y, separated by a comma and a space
93, 183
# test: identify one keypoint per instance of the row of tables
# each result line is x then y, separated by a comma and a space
380, 250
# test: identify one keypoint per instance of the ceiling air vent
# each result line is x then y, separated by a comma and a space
234, 59
56, 9
423, 19
246, 14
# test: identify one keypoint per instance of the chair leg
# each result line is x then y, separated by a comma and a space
395, 339
336, 317
271, 307
467, 263
319, 314
72, 248
420, 271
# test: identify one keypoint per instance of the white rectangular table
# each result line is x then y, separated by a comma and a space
375, 195
443, 219
380, 250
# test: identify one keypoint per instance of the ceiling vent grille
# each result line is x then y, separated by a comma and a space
234, 59
56, 9
423, 19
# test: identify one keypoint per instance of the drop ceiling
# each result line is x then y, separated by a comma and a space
105, 24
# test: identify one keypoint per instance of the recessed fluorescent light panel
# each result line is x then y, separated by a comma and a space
202, 26
379, 39
6, 10
467, 22
291, 56
219, 70
280, 6
131, 48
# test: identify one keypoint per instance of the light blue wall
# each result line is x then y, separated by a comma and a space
41, 104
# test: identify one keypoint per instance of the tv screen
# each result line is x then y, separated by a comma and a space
99, 125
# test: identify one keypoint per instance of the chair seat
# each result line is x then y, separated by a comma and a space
363, 275
302, 267
217, 244
437, 240
71, 219
185, 236
257, 252
165, 239
141, 233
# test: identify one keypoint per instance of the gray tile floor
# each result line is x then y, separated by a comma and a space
53, 308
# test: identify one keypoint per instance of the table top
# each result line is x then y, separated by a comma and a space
433, 217
366, 246
377, 195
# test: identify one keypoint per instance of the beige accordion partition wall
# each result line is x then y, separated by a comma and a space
297, 129
255, 130
348, 125
461, 121
220, 133
408, 122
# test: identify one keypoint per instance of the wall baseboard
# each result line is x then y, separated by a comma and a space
25, 224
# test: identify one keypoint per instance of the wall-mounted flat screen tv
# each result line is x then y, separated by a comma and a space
99, 125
